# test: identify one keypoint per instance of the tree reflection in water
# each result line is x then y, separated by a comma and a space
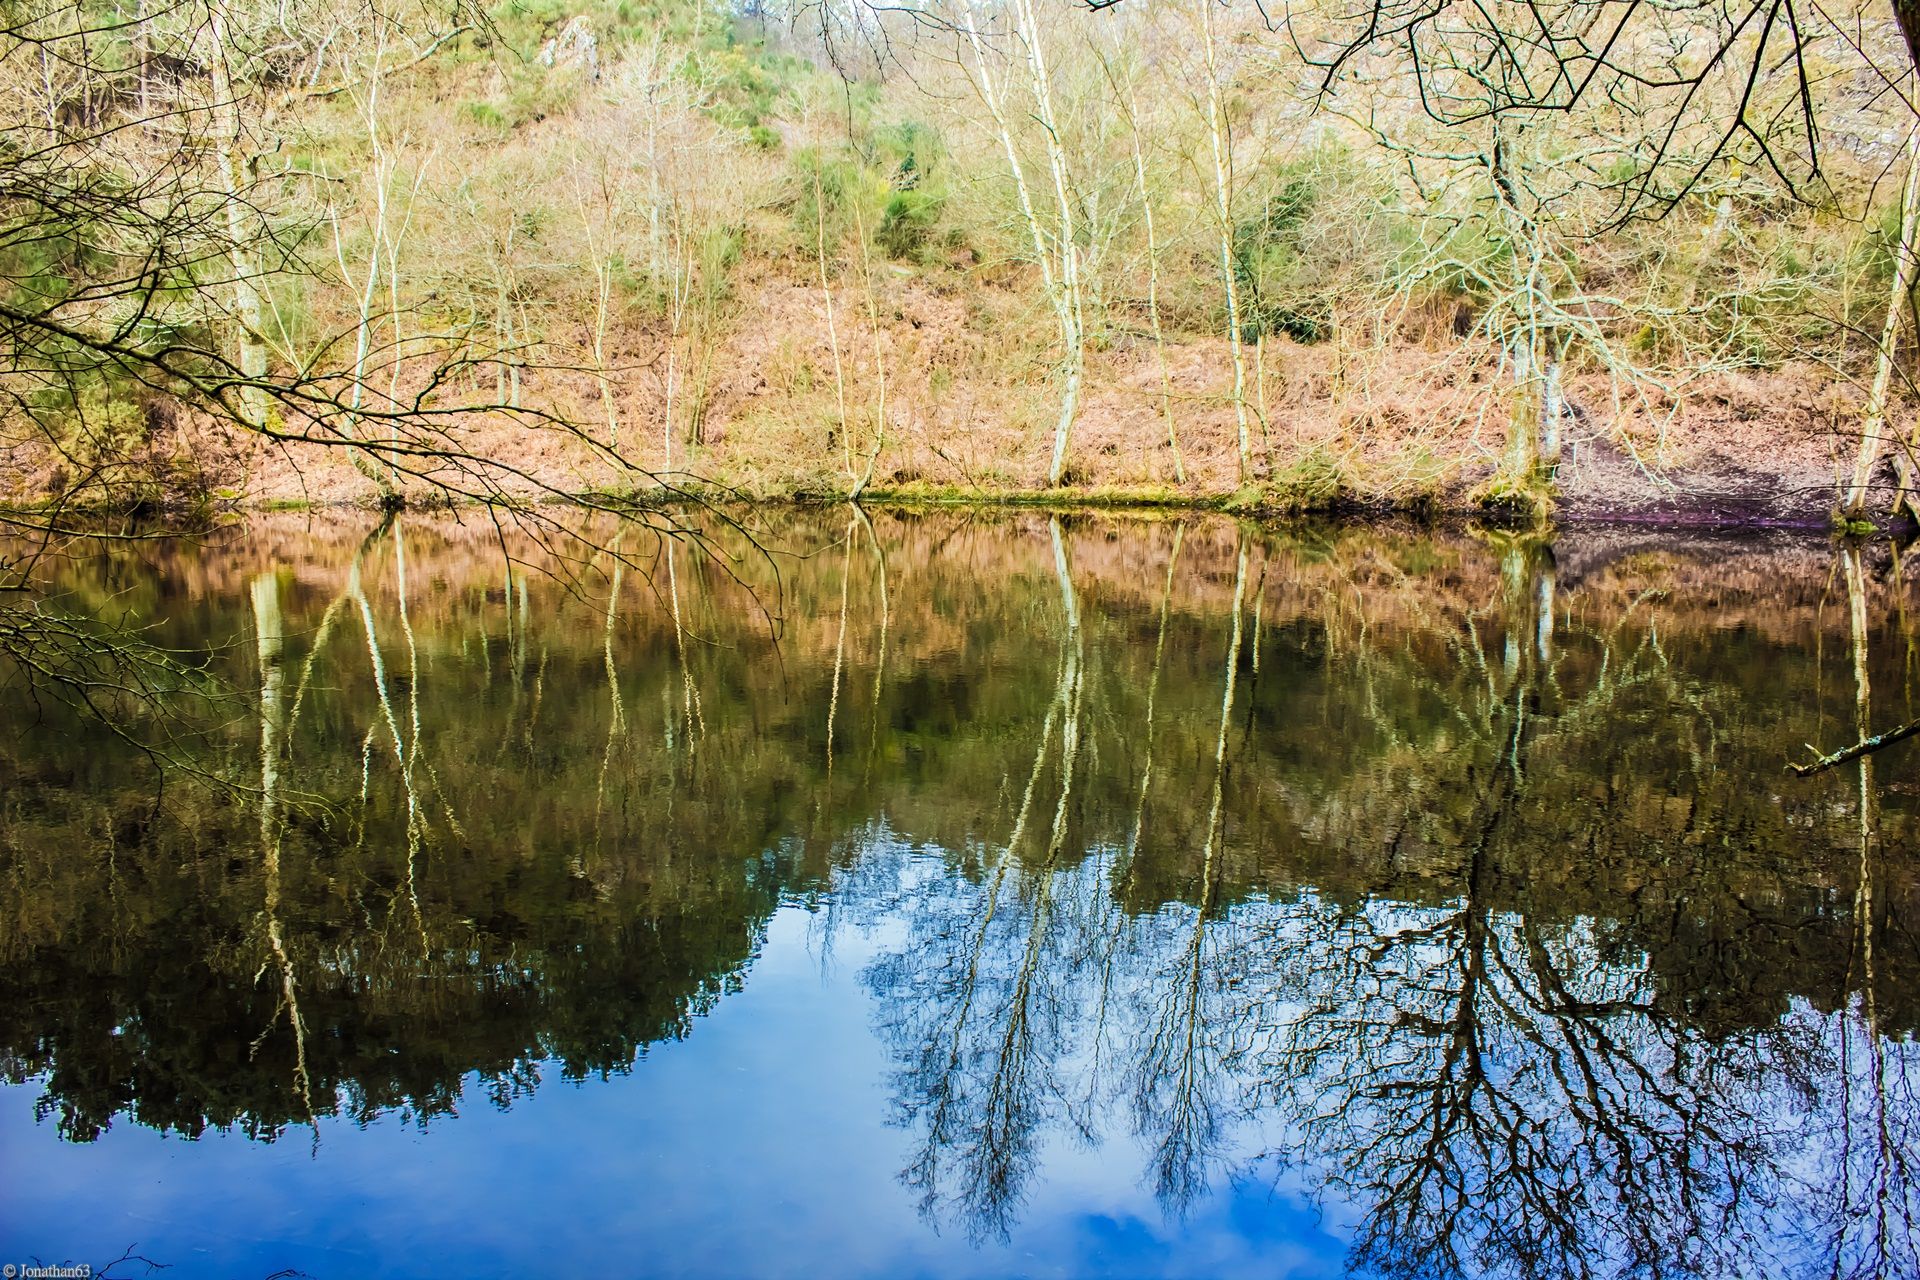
1452, 878
1505, 1086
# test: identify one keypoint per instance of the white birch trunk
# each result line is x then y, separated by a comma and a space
1061, 285
236, 171
1873, 429
1217, 134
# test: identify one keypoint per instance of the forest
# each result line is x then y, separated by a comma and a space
829, 638
1581, 258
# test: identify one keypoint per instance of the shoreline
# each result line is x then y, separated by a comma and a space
1691, 515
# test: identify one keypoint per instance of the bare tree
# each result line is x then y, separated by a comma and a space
162, 215
1054, 235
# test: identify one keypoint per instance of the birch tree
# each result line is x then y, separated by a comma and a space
1874, 427
1220, 148
1050, 225
386, 232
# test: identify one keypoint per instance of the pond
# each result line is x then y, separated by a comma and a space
942, 894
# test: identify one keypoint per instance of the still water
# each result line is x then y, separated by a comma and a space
943, 895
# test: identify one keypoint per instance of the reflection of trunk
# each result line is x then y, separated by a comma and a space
1190, 1123
1873, 430
1226, 714
357, 592
412, 778
1153, 690
1868, 742
840, 643
270, 632
1453, 1095
940, 1121
1883, 1155
1009, 1114
1527, 585
1543, 589
690, 712
1072, 682
617, 721
886, 620
406, 745
1862, 688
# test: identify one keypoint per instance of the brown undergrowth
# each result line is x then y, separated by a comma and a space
969, 406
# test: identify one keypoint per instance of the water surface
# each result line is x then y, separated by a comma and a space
958, 896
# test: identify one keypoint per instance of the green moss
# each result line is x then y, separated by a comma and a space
1247, 498
1315, 482
1520, 499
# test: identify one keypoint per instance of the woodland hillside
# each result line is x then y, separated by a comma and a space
330, 250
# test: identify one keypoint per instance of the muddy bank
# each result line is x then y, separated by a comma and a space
1600, 483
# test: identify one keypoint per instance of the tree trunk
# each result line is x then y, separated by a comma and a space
1873, 428
1217, 132
236, 172
1062, 286
833, 332
1553, 411
1153, 287
879, 358
1069, 408
1526, 413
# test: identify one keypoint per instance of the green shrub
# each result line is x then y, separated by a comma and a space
908, 223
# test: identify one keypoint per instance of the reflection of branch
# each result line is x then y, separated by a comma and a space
107, 675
